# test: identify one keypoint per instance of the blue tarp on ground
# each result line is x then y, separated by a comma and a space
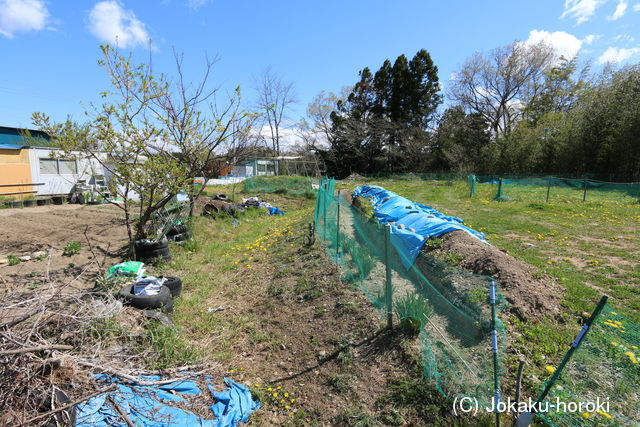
156, 406
413, 223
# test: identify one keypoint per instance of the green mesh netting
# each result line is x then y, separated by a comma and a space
606, 366
553, 189
448, 307
296, 185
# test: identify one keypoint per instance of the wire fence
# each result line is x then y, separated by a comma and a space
457, 318
455, 314
551, 189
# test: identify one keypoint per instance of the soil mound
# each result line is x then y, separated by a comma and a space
354, 177
527, 295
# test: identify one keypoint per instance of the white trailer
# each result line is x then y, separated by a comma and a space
60, 175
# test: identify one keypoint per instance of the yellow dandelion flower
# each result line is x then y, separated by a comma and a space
601, 412
286, 407
628, 353
586, 415
275, 394
269, 389
231, 371
292, 400
286, 395
279, 387
257, 385
550, 369
613, 343
634, 347
281, 400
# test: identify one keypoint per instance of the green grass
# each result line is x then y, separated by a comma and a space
72, 248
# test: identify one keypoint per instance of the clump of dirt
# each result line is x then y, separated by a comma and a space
354, 177
527, 295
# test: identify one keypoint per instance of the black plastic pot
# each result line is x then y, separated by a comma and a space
43, 202
57, 200
28, 203
16, 204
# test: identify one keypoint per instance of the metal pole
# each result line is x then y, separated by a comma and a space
324, 213
548, 189
338, 230
494, 347
584, 195
388, 289
526, 417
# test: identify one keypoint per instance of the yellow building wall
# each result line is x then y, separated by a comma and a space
15, 169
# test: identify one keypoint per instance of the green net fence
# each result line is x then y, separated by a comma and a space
295, 185
605, 368
552, 189
462, 338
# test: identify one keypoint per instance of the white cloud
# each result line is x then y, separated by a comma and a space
626, 38
111, 23
636, 7
564, 44
580, 10
621, 8
615, 55
590, 39
21, 16
197, 4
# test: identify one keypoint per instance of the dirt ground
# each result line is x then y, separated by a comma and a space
49, 229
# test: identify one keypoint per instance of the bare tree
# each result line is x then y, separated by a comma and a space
275, 97
202, 130
498, 84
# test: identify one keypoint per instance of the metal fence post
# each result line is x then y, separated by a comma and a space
526, 417
388, 288
494, 347
548, 188
324, 213
584, 195
338, 229
472, 182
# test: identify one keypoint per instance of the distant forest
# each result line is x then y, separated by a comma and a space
518, 109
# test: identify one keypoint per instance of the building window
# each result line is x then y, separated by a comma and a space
58, 167
48, 166
67, 167
261, 167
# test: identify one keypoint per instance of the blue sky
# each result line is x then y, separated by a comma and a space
49, 49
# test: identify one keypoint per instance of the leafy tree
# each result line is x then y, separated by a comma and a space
385, 121
124, 127
460, 141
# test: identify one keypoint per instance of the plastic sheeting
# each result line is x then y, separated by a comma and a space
163, 405
412, 224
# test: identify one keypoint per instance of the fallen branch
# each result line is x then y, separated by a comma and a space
72, 404
38, 348
121, 412
135, 380
22, 318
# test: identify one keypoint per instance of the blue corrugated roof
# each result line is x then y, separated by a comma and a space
10, 147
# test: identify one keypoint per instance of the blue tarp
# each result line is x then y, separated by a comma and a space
156, 406
413, 223
271, 210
